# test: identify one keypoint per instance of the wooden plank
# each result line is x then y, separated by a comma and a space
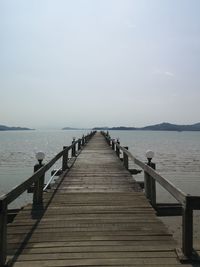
98, 255
83, 249
133, 244
102, 262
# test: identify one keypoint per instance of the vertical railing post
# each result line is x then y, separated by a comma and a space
117, 148
113, 144
150, 186
149, 182
117, 151
108, 141
38, 186
73, 147
187, 230
147, 185
153, 186
83, 140
125, 159
3, 232
107, 136
79, 144
65, 158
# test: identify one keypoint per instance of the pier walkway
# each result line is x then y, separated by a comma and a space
95, 215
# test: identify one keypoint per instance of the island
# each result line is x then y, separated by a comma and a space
7, 128
165, 126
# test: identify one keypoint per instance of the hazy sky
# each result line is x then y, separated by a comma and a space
88, 63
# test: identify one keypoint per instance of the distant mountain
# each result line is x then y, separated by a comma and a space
7, 128
165, 126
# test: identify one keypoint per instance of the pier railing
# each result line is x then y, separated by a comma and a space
36, 181
188, 202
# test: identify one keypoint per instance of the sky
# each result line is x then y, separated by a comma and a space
86, 63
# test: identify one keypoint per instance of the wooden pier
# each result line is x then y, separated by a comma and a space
94, 215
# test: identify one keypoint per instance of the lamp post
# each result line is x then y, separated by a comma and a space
39, 184
149, 182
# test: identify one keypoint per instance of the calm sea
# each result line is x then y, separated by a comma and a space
177, 155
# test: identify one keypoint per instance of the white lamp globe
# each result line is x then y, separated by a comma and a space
40, 156
150, 154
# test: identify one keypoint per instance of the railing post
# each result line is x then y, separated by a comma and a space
86, 139
73, 147
79, 144
38, 187
117, 149
147, 185
108, 141
113, 144
150, 185
83, 140
187, 230
153, 186
108, 137
3, 232
125, 159
65, 158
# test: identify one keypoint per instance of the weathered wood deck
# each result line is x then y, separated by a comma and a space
96, 215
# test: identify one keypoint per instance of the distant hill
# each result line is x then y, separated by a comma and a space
7, 128
165, 126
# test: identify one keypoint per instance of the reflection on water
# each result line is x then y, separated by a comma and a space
177, 154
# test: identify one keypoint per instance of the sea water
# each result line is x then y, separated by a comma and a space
177, 156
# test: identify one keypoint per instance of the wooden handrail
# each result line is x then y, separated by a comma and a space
188, 202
